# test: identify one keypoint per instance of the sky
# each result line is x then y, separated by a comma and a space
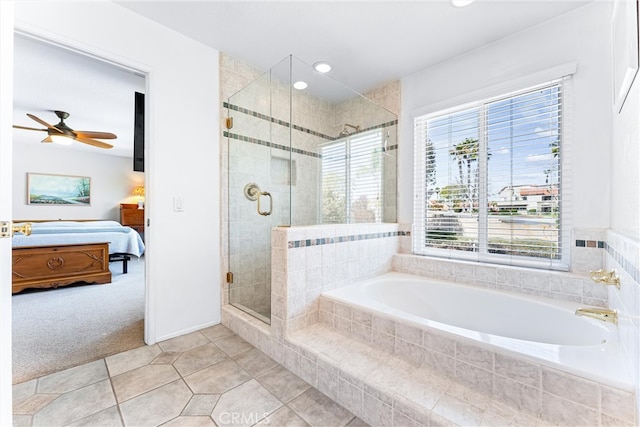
519, 133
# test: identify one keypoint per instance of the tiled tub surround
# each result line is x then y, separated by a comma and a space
520, 380
550, 284
587, 246
306, 261
623, 255
393, 387
540, 329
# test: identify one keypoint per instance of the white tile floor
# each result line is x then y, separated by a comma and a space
207, 378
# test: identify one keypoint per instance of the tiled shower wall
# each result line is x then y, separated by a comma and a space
305, 262
258, 142
234, 75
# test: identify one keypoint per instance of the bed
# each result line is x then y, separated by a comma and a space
59, 253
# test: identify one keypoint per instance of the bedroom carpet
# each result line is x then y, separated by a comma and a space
56, 329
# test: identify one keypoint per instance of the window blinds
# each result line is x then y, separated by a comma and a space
352, 170
488, 179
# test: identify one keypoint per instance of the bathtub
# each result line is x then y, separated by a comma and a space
537, 329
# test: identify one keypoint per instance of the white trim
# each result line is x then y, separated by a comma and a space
73, 45
499, 89
6, 177
481, 254
187, 330
566, 170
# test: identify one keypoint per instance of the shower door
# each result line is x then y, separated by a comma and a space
258, 190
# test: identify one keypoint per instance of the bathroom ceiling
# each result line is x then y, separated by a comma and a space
367, 42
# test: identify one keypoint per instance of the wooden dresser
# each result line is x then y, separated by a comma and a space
131, 216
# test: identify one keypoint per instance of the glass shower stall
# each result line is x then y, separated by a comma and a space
303, 149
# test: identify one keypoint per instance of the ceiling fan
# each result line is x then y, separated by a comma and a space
63, 134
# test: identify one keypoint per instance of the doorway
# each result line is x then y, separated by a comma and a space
98, 95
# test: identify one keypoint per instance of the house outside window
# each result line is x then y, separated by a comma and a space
488, 180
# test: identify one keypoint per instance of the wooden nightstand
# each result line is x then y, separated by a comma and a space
131, 216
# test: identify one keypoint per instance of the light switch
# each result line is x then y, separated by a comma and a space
178, 204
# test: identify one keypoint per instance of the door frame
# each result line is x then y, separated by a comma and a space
136, 67
6, 170
8, 28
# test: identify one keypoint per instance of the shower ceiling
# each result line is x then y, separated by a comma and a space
321, 85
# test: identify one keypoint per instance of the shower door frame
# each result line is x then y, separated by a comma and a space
276, 141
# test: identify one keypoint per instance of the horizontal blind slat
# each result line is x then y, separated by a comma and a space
522, 135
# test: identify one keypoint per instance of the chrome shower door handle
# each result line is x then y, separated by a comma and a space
260, 211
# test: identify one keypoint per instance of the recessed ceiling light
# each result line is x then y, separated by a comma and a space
461, 3
300, 85
322, 67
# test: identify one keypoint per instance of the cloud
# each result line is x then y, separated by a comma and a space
546, 132
539, 157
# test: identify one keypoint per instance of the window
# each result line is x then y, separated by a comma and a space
352, 171
488, 180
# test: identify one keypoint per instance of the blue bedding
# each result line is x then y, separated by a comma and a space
121, 239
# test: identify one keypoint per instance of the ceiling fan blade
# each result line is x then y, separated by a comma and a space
91, 134
93, 142
28, 128
43, 123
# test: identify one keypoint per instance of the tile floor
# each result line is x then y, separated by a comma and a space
206, 378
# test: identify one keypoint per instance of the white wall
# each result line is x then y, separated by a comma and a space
583, 36
625, 161
623, 238
182, 150
112, 181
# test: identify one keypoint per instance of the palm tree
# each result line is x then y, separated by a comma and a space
466, 152
430, 157
555, 147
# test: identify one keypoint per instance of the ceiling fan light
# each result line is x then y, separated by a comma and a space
61, 139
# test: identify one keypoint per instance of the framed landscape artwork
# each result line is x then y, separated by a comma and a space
45, 189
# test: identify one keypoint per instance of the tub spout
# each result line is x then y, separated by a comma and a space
603, 314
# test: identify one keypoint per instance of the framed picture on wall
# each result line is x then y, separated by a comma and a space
68, 190
624, 26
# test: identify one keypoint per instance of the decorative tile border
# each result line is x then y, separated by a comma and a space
590, 244
303, 129
341, 239
623, 262
274, 120
269, 144
378, 126
280, 146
